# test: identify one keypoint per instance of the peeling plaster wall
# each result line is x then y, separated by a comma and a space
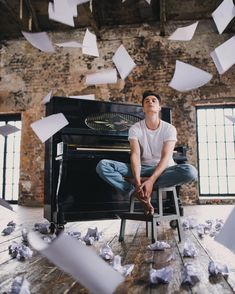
27, 75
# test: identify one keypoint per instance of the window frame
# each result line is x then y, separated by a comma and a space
7, 117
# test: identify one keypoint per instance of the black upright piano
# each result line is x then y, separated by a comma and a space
96, 130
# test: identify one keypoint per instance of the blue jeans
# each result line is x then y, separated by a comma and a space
114, 173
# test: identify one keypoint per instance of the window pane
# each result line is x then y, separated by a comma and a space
231, 185
8, 192
212, 150
203, 151
223, 185
9, 176
15, 191
222, 170
220, 150
204, 185
220, 133
213, 168
204, 168
219, 116
213, 185
230, 150
229, 134
231, 167
211, 134
201, 115
210, 115
202, 134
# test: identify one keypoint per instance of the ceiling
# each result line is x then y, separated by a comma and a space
32, 15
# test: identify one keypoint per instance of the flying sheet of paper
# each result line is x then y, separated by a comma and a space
223, 14
231, 118
5, 204
187, 77
71, 44
226, 236
108, 76
185, 33
47, 98
40, 41
89, 45
8, 129
46, 127
62, 12
223, 56
74, 4
87, 97
80, 262
123, 62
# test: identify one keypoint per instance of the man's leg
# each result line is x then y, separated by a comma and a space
113, 172
177, 175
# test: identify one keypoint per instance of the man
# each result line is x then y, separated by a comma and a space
152, 142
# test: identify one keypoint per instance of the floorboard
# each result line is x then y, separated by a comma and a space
44, 277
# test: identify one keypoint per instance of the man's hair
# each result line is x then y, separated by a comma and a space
150, 93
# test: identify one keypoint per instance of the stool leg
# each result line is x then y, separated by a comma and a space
122, 230
179, 227
132, 203
153, 230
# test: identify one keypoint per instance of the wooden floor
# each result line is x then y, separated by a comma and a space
44, 277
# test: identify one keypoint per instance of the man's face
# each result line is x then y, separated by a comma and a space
151, 104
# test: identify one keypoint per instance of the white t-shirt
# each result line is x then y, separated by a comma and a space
151, 141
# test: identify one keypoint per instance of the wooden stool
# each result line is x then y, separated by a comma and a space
151, 220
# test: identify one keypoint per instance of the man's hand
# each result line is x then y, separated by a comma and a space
147, 188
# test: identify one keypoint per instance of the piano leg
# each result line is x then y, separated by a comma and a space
58, 216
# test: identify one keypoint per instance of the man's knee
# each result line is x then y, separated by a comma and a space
101, 165
190, 172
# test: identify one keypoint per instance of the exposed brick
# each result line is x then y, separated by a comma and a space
27, 75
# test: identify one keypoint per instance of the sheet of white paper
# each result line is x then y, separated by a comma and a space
223, 56
74, 4
5, 204
77, 2
80, 261
8, 129
184, 33
62, 12
89, 45
87, 97
231, 118
223, 14
71, 44
40, 41
108, 76
46, 127
47, 98
187, 77
123, 62
226, 235
149, 1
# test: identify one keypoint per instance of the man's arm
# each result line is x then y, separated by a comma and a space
166, 154
135, 163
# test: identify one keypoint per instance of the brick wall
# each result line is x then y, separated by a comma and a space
27, 75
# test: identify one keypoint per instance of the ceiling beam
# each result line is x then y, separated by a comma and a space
32, 12
162, 18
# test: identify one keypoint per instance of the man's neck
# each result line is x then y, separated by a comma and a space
152, 122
